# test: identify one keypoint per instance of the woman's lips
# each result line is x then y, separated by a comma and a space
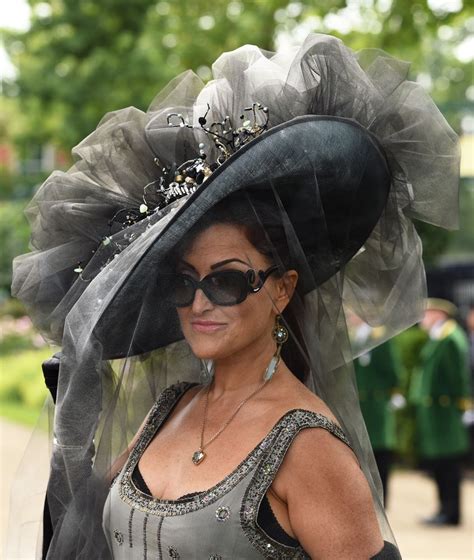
206, 326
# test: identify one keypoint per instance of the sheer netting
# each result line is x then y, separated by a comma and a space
334, 197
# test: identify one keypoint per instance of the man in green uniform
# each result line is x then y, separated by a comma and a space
440, 392
377, 374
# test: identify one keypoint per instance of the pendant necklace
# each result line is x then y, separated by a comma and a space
200, 455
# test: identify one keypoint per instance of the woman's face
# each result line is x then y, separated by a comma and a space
217, 332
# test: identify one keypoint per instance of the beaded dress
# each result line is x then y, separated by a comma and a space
226, 514
137, 525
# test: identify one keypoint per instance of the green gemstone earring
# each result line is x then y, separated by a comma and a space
280, 335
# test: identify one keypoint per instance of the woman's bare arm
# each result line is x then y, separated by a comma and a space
330, 505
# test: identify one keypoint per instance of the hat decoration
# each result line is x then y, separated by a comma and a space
85, 217
182, 180
178, 181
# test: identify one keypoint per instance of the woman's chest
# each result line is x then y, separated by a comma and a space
167, 464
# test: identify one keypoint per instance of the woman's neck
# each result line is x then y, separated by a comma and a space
243, 370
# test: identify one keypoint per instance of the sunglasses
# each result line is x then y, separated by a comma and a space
224, 287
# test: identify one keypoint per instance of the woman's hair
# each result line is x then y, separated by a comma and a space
262, 224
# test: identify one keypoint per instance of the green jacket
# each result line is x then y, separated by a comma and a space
377, 374
439, 391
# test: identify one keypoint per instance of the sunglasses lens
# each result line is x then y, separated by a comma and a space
178, 289
182, 292
226, 287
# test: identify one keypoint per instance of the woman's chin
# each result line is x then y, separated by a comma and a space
210, 351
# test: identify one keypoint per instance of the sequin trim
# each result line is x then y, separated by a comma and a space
173, 553
145, 544
264, 476
130, 528
158, 538
118, 535
131, 495
222, 514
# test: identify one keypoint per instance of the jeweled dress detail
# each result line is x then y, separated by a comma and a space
219, 523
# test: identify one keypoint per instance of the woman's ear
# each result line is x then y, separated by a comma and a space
286, 286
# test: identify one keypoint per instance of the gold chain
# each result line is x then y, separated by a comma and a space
219, 432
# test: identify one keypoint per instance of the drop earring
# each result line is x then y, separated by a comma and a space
207, 371
280, 335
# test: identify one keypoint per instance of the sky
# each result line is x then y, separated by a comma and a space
14, 14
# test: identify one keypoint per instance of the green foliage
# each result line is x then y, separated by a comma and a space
14, 233
435, 241
22, 388
82, 59
87, 58
18, 186
462, 241
458, 243
14, 343
20, 413
11, 307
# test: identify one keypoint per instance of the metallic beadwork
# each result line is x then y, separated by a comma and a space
130, 527
222, 513
145, 546
264, 460
158, 538
118, 537
130, 494
292, 423
173, 553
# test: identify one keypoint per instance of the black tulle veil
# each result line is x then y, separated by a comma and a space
92, 290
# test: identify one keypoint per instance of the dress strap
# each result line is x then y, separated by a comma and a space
265, 473
163, 406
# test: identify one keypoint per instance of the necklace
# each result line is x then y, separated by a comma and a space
199, 455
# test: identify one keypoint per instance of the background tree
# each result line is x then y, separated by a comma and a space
82, 58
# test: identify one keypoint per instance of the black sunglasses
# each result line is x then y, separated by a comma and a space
224, 287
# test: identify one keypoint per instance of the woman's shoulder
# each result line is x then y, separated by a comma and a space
296, 396
320, 479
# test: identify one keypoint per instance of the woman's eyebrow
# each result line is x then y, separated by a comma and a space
227, 261
187, 265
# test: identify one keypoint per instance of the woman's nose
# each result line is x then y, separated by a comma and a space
201, 302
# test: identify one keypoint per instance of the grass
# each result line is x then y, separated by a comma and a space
22, 388
19, 413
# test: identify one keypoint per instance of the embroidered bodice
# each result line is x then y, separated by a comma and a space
219, 523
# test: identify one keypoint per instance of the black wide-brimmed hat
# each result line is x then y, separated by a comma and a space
332, 179
348, 142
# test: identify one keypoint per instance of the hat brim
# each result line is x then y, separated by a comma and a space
331, 222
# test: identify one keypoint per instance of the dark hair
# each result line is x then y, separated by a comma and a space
263, 227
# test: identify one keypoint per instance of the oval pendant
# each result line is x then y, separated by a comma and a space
198, 456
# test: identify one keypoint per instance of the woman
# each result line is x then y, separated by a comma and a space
282, 203
239, 408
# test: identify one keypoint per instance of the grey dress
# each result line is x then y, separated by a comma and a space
219, 523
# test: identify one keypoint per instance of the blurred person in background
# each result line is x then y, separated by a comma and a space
439, 391
377, 373
468, 416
